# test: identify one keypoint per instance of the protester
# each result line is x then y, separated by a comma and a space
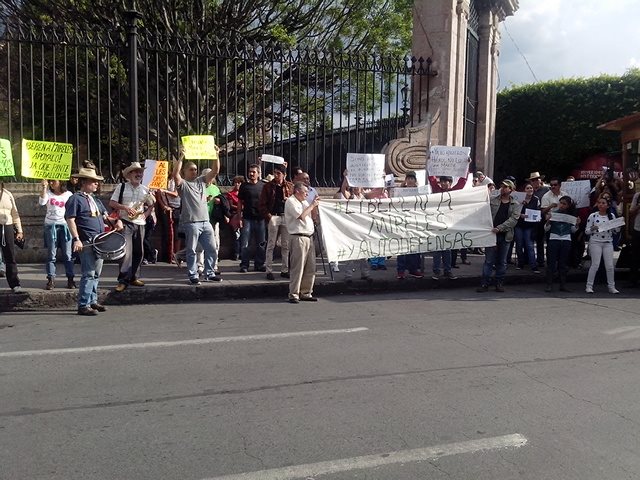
505, 211
133, 204
559, 243
539, 190
54, 194
377, 263
303, 255
525, 231
410, 262
85, 215
194, 218
551, 199
271, 206
216, 215
235, 214
479, 178
10, 228
635, 238
442, 258
601, 245
252, 224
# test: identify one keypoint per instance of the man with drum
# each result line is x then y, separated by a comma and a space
85, 215
134, 204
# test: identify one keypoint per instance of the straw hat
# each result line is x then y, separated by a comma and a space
534, 175
89, 173
131, 168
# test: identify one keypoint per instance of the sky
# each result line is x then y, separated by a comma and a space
567, 39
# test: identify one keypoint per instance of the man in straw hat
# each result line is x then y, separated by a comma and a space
539, 189
85, 215
134, 205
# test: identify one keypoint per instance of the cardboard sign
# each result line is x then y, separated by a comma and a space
155, 174
46, 160
563, 217
579, 191
6, 159
272, 159
448, 161
366, 170
200, 147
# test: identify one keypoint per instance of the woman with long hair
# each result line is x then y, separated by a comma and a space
525, 231
601, 244
10, 228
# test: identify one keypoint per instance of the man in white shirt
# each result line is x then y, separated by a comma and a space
552, 197
302, 264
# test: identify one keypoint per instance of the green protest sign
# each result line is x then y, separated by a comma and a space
48, 160
200, 147
6, 159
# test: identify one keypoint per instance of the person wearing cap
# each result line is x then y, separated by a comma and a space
9, 223
505, 212
86, 216
480, 179
539, 190
133, 204
271, 206
194, 217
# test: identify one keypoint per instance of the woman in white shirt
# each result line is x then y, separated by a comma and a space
601, 245
54, 195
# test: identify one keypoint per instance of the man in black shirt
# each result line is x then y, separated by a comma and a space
252, 223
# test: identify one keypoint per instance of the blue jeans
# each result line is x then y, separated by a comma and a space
58, 236
495, 256
91, 267
257, 228
200, 232
442, 257
525, 246
409, 262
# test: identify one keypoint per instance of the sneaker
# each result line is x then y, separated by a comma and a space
137, 283
536, 270
87, 311
155, 256
401, 276
50, 284
214, 278
335, 267
121, 287
589, 289
194, 281
499, 288
98, 307
614, 291
308, 299
436, 276
145, 262
243, 270
294, 300
270, 276
17, 289
71, 284
450, 276
416, 274
482, 288
286, 274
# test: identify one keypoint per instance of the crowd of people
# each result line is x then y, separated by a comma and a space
261, 214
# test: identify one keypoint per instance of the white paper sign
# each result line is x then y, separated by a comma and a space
563, 217
272, 159
402, 225
611, 224
410, 191
519, 196
578, 191
366, 169
149, 171
531, 215
448, 161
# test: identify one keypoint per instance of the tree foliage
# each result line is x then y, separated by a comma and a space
552, 126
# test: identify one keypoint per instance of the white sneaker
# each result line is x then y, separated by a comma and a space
614, 291
589, 289
17, 289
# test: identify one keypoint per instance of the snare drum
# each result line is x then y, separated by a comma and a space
109, 245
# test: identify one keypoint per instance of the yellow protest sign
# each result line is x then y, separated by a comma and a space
48, 160
156, 174
6, 159
200, 147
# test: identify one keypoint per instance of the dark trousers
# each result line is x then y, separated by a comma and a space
8, 255
635, 253
539, 235
558, 257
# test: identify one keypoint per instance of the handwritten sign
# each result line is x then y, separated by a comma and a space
410, 191
6, 159
403, 225
156, 174
531, 215
448, 161
272, 159
579, 191
563, 217
200, 147
47, 160
366, 169
611, 224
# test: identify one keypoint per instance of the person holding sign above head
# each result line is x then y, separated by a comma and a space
559, 243
505, 211
86, 216
601, 244
10, 228
134, 204
443, 257
194, 218
54, 194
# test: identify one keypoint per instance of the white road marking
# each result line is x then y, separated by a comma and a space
198, 341
372, 461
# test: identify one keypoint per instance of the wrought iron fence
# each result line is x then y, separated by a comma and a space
128, 94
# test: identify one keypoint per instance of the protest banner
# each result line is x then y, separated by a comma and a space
563, 217
46, 160
366, 170
6, 159
156, 174
579, 191
448, 161
272, 159
200, 147
403, 225
611, 224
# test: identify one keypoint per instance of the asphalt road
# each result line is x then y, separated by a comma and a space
432, 385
